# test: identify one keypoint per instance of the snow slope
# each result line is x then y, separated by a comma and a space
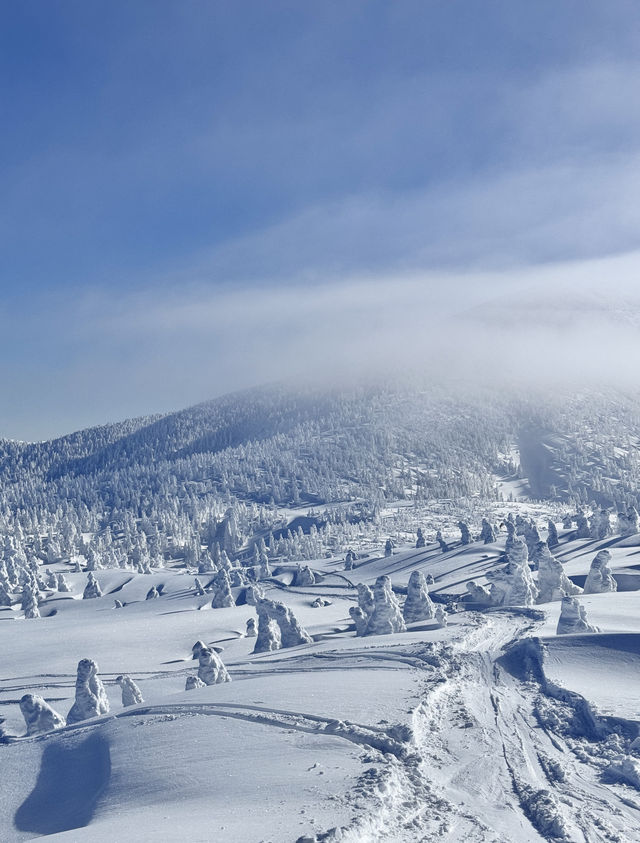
489, 729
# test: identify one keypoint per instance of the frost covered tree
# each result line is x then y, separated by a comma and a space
478, 595
91, 697
567, 522
600, 579
553, 583
631, 522
251, 630
198, 587
92, 588
38, 715
30, 601
206, 564
291, 633
487, 533
513, 585
388, 547
360, 619
193, 682
5, 597
465, 535
264, 571
386, 617
531, 536
131, 694
420, 540
444, 547
441, 616
222, 596
277, 627
584, 531
573, 618
268, 637
365, 599
349, 560
238, 577
552, 534
212, 671
600, 524
62, 584
418, 606
304, 576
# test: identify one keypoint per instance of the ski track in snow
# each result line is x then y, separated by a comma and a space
493, 751
474, 761
458, 781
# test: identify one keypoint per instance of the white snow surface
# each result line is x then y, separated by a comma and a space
491, 728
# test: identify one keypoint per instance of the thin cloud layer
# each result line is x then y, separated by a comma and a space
563, 323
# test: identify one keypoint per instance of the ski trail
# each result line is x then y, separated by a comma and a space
484, 768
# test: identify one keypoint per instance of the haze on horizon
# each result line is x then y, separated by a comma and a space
208, 196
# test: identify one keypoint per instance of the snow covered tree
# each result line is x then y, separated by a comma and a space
631, 521
131, 694
365, 599
5, 597
291, 633
600, 579
92, 588
552, 534
600, 524
30, 601
268, 637
304, 576
573, 618
444, 547
91, 698
513, 585
386, 617
418, 606
62, 584
465, 535
212, 671
193, 682
360, 619
222, 596
584, 531
441, 616
553, 583
477, 595
420, 540
38, 715
388, 547
487, 534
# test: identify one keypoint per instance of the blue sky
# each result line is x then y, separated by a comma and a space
157, 155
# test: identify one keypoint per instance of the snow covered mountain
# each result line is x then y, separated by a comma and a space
223, 623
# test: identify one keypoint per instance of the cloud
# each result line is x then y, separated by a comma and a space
157, 351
